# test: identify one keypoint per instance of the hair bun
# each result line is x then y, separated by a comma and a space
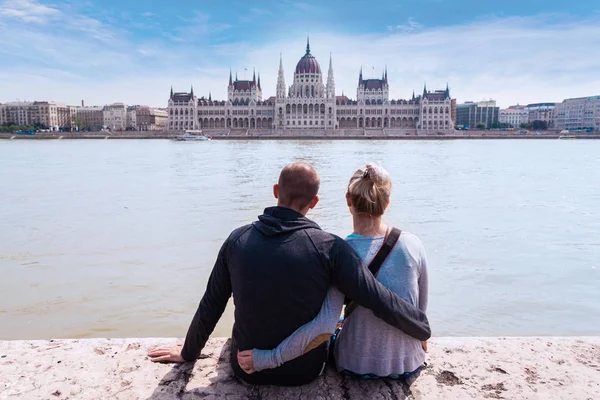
374, 172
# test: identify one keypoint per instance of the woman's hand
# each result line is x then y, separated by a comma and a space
424, 345
167, 354
246, 362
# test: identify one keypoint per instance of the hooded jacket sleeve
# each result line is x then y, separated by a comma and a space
212, 305
357, 282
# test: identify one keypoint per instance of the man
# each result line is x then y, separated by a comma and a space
279, 269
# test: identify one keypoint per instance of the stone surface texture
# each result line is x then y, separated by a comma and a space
458, 368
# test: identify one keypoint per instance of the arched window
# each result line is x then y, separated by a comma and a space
305, 109
293, 109
330, 111
310, 108
307, 91
322, 108
280, 111
312, 91
288, 109
368, 102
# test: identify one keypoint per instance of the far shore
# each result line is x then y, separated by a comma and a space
323, 135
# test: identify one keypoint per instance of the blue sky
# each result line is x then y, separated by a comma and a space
133, 51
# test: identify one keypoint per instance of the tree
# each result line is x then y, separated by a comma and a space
525, 125
480, 125
538, 125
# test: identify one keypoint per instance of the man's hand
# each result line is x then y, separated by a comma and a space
424, 345
167, 354
246, 362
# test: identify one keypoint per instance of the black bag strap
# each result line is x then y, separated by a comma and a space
377, 262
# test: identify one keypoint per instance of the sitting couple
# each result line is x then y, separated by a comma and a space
290, 279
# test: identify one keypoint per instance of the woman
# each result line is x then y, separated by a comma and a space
366, 346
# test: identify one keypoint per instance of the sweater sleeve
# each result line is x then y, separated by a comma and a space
423, 281
296, 344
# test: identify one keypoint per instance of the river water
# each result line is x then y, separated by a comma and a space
117, 238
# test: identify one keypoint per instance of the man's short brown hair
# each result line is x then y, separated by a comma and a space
298, 185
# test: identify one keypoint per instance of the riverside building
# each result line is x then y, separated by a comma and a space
578, 113
542, 112
311, 103
469, 114
514, 116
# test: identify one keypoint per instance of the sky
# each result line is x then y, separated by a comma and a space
104, 51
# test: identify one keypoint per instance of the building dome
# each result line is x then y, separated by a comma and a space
308, 64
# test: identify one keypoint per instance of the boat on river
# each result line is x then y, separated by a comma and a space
191, 136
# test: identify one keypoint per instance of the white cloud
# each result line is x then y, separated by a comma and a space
410, 26
148, 14
27, 11
513, 60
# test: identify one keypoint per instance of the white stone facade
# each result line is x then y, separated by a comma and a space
115, 116
514, 116
309, 103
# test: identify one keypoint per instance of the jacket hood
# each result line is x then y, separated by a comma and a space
281, 220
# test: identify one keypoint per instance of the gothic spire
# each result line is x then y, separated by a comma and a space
413, 94
192, 91
280, 79
307, 45
447, 94
259, 79
330, 81
360, 77
424, 89
209, 96
171, 92
386, 81
254, 75
230, 79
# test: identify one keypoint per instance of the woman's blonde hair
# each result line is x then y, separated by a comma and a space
369, 190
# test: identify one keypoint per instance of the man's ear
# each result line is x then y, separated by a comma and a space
348, 202
276, 191
313, 202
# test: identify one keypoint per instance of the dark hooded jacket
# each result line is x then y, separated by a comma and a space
279, 269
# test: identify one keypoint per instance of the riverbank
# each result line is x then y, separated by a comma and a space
458, 368
475, 135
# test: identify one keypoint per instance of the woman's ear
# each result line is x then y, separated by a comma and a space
348, 201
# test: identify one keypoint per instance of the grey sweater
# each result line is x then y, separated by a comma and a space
366, 344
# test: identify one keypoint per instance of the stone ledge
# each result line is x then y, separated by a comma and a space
459, 368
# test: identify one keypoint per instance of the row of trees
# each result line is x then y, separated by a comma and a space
535, 125
12, 127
